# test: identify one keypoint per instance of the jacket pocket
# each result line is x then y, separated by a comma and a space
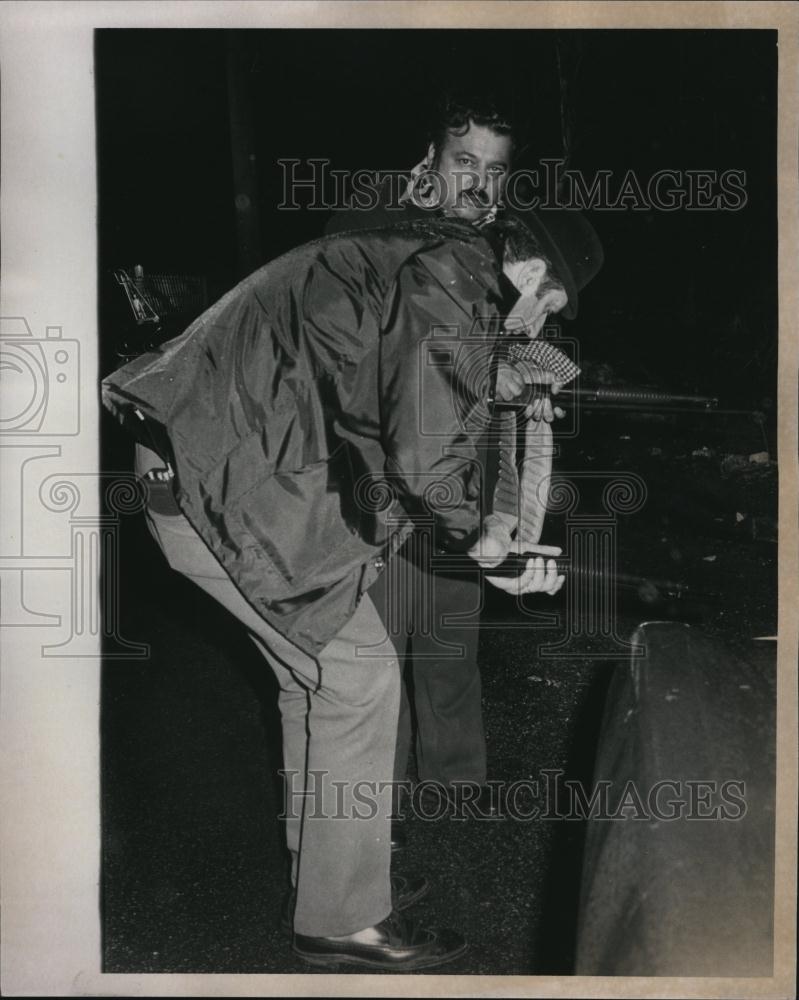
301, 521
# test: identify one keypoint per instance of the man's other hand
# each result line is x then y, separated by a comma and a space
510, 382
540, 575
542, 408
493, 545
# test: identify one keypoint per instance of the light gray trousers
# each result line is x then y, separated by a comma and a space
339, 715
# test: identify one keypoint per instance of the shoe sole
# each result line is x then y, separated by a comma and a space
411, 966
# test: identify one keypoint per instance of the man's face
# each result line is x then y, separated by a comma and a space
472, 169
540, 295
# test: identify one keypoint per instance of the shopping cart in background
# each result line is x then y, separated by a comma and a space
162, 306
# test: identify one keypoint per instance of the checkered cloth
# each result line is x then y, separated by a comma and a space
544, 355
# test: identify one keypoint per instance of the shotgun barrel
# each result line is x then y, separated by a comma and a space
647, 588
611, 398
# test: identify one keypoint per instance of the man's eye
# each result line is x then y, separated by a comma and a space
496, 170
464, 161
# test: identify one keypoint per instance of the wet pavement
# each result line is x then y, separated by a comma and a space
194, 870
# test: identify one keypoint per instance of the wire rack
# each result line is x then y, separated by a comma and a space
162, 305
153, 297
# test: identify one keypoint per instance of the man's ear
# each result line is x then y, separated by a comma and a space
530, 275
431, 154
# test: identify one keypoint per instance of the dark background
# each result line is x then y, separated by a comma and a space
686, 298
193, 864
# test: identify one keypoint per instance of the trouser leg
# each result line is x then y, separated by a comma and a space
389, 594
338, 736
293, 702
403, 747
345, 857
450, 744
416, 603
348, 699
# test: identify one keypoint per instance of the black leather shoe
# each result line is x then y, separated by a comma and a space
404, 893
395, 943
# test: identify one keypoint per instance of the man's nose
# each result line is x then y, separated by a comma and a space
475, 180
479, 180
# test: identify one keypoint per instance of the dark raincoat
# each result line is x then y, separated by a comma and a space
324, 405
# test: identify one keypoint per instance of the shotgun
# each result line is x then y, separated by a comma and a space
648, 590
610, 398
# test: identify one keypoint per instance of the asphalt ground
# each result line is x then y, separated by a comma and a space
194, 869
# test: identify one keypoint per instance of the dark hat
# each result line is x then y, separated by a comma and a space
570, 242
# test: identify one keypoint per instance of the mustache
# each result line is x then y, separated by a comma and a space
480, 198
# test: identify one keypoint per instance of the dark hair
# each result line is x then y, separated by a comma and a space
457, 112
520, 244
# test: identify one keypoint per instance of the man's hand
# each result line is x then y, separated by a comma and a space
492, 548
510, 382
494, 544
539, 577
541, 408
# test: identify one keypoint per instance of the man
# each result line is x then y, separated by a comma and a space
289, 416
463, 173
436, 627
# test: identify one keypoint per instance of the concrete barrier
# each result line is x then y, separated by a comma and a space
678, 873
